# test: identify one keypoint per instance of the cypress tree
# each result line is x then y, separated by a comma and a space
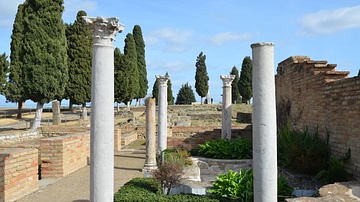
4, 66
170, 98
141, 64
45, 71
14, 89
121, 81
245, 81
79, 41
131, 71
235, 94
201, 76
155, 91
185, 95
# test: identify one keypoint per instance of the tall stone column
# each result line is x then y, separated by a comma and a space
102, 108
162, 106
226, 106
264, 123
150, 161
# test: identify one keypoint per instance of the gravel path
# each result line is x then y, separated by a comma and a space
76, 186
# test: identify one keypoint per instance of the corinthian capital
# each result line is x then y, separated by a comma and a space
227, 80
162, 79
104, 29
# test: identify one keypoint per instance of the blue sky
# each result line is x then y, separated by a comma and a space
175, 32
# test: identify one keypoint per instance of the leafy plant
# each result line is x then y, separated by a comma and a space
180, 156
302, 148
234, 185
336, 171
239, 186
170, 166
284, 189
226, 149
168, 174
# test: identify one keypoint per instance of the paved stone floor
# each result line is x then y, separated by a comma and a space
76, 186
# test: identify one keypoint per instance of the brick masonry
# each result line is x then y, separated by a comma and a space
316, 95
18, 173
63, 155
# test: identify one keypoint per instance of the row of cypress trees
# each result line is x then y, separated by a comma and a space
52, 60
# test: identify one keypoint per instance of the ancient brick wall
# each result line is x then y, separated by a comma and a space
315, 95
18, 173
63, 155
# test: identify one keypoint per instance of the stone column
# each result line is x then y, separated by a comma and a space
56, 112
150, 161
162, 119
226, 106
264, 123
102, 108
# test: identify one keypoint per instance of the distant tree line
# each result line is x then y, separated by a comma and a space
51, 60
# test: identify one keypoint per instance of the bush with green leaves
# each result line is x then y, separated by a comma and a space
239, 186
149, 190
284, 189
304, 152
336, 171
181, 156
239, 148
236, 185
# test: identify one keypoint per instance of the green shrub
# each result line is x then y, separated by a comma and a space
177, 155
284, 189
239, 186
149, 190
139, 189
304, 152
235, 185
226, 149
336, 171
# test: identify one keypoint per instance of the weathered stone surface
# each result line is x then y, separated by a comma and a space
56, 112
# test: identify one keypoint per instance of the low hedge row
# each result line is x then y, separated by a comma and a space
147, 189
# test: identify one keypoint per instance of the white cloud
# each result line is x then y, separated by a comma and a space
169, 66
8, 10
330, 21
169, 39
226, 37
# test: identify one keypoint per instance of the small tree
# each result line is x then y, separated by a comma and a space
201, 76
14, 88
185, 95
235, 94
170, 97
168, 174
155, 91
141, 63
4, 66
131, 72
79, 51
245, 81
44, 68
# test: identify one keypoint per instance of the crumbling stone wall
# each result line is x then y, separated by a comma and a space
314, 95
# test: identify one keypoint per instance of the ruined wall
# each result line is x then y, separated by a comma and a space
63, 155
316, 95
18, 173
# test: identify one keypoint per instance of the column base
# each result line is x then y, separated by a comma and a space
148, 169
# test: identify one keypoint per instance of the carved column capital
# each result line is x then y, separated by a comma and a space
227, 80
162, 79
104, 29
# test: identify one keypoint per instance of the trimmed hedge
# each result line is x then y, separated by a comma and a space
148, 190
